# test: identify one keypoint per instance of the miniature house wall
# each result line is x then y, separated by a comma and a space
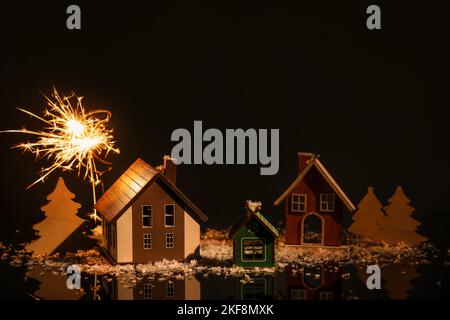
254, 241
259, 288
314, 205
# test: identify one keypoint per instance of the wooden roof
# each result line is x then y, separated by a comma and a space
131, 184
315, 162
258, 216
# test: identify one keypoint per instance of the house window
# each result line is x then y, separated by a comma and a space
169, 215
170, 289
255, 290
298, 203
170, 240
327, 202
147, 240
147, 290
253, 250
326, 295
147, 216
298, 294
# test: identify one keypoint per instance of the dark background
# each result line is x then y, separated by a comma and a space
373, 104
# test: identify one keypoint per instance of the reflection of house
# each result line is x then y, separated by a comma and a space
147, 218
254, 239
211, 284
146, 289
257, 289
313, 284
314, 205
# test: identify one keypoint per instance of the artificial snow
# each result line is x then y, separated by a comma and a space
216, 259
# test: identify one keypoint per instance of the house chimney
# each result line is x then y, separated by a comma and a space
170, 169
304, 158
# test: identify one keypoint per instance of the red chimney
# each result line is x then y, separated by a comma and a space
304, 158
170, 169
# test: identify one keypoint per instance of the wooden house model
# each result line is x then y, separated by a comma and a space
254, 239
147, 218
314, 205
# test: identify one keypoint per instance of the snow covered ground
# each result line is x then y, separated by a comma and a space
216, 255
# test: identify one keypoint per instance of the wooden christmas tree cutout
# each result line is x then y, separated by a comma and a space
60, 220
368, 217
399, 225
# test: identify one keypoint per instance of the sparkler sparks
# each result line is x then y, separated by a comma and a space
72, 139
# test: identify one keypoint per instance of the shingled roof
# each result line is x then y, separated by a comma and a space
131, 184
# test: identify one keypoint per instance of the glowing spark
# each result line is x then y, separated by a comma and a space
72, 139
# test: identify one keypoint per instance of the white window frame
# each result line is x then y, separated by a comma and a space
243, 286
151, 215
325, 205
173, 240
165, 215
326, 295
172, 286
147, 286
145, 238
300, 294
302, 199
243, 239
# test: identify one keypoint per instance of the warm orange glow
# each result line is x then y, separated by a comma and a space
72, 139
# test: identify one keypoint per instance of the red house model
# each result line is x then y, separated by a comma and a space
314, 205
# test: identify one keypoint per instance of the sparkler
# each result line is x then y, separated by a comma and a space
72, 139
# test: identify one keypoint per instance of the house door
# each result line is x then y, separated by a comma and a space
312, 229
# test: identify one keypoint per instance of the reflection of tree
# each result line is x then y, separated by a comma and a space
397, 280
53, 286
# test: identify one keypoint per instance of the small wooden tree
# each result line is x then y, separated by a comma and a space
60, 220
368, 217
399, 225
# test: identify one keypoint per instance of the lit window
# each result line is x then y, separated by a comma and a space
147, 240
147, 290
170, 241
170, 289
253, 250
169, 215
146, 216
298, 203
327, 202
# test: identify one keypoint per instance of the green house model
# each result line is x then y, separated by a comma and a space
254, 239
